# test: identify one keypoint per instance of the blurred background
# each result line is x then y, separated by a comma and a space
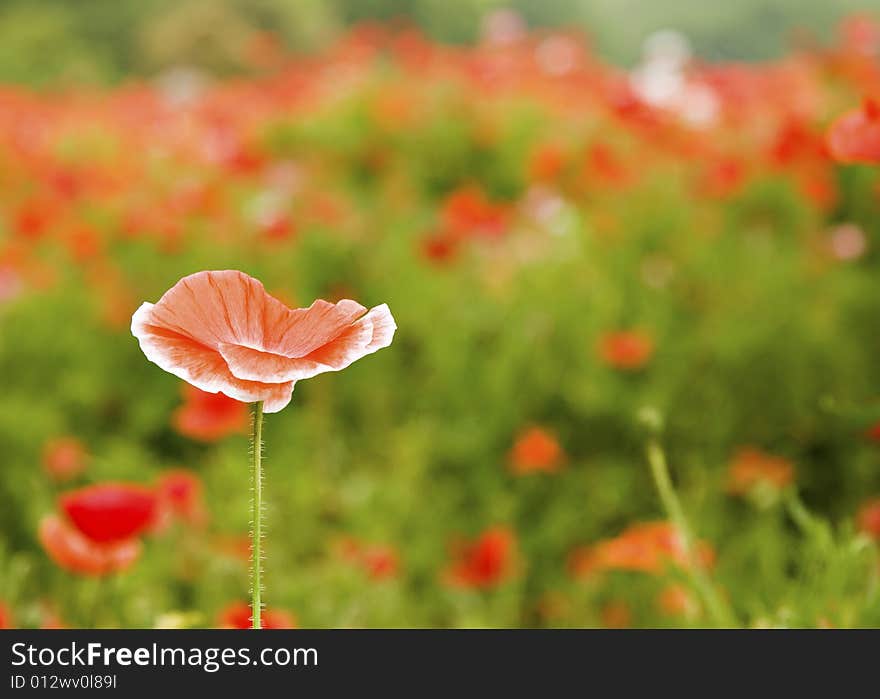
51, 41
596, 223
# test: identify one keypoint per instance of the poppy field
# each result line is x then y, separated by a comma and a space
634, 379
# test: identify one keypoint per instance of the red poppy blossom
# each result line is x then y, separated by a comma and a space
238, 616
5, 617
752, 468
868, 518
854, 137
208, 417
180, 497
221, 331
378, 561
547, 162
75, 552
484, 563
469, 212
648, 547
616, 615
111, 512
627, 350
534, 450
873, 432
675, 601
439, 248
64, 458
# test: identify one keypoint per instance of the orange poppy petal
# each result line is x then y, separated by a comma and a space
72, 551
307, 329
201, 366
366, 335
254, 365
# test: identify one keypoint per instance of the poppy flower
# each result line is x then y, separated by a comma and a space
34, 218
439, 248
72, 550
535, 450
722, 177
378, 561
648, 547
484, 563
753, 468
868, 518
873, 432
64, 458
5, 617
221, 331
208, 417
675, 601
627, 350
860, 33
180, 496
854, 137
468, 211
547, 162
616, 615
238, 616
604, 162
111, 512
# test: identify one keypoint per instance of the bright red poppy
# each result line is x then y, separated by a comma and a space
238, 616
676, 601
64, 458
854, 137
868, 518
873, 433
5, 617
648, 547
378, 561
468, 211
72, 550
209, 417
180, 497
752, 468
547, 162
535, 450
111, 512
221, 331
628, 350
484, 563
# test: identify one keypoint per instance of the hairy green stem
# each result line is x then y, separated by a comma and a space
257, 515
717, 608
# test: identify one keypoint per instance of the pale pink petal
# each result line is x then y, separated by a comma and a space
222, 306
253, 365
348, 347
383, 327
201, 366
366, 335
307, 329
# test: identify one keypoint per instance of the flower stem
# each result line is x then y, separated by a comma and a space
257, 515
717, 608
